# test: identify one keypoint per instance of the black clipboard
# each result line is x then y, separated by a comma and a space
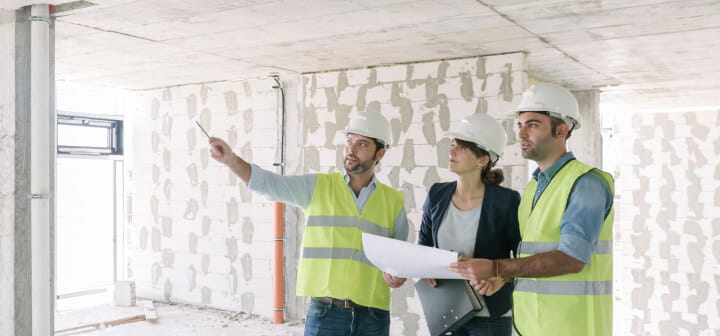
449, 305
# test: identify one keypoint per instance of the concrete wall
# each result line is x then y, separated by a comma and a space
667, 223
422, 101
7, 172
194, 232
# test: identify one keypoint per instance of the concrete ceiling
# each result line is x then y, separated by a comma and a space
644, 54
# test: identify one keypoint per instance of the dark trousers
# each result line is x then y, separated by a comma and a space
326, 319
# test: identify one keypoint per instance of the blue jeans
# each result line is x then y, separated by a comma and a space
326, 319
487, 326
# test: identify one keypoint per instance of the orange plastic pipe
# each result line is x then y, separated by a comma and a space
278, 262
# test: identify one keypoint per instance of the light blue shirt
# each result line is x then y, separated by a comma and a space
298, 190
589, 203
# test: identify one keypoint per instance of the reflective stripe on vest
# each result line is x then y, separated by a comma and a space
336, 253
349, 221
564, 287
530, 247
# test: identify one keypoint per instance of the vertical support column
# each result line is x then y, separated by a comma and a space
586, 143
41, 154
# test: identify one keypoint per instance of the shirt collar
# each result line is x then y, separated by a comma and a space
373, 182
550, 172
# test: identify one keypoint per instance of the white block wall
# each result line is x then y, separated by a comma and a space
667, 227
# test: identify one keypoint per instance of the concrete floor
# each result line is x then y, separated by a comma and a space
173, 319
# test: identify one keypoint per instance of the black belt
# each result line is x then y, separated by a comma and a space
340, 303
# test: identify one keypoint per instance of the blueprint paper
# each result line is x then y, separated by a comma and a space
406, 260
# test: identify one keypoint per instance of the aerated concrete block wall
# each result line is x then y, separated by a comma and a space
422, 101
668, 223
195, 234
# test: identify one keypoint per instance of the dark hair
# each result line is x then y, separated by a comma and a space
555, 122
488, 175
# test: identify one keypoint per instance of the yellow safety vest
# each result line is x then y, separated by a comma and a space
333, 263
571, 304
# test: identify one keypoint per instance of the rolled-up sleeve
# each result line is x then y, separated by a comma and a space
588, 205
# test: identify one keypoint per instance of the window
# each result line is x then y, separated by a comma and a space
89, 136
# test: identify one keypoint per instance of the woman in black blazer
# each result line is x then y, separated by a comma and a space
475, 216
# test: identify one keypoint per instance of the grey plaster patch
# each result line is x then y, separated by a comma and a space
246, 152
204, 263
155, 240
206, 221
232, 281
204, 192
372, 78
129, 209
192, 278
204, 158
168, 258
332, 99
245, 194
399, 308
361, 96
443, 148
155, 273
662, 120
246, 262
695, 152
509, 126
395, 130
191, 209
466, 86
406, 110
428, 128
506, 89
192, 243
154, 141
409, 193
167, 189
206, 294
247, 302
431, 177
155, 109
154, 204
444, 114
248, 120
204, 90
191, 138
167, 225
442, 72
232, 211
167, 95
206, 119
247, 89
482, 106
693, 189
342, 116
431, 92
191, 103
394, 177
166, 159
192, 174
481, 72
311, 158
144, 235
642, 153
408, 159
231, 102
330, 131
374, 107
247, 230
310, 121
339, 157
313, 85
232, 250
342, 82
697, 129
167, 125
409, 75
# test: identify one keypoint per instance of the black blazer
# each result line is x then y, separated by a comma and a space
498, 231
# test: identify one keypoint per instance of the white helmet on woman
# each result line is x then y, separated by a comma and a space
556, 100
484, 131
371, 125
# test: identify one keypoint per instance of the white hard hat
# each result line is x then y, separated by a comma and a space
372, 125
556, 100
484, 131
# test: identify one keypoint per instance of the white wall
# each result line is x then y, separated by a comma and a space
667, 228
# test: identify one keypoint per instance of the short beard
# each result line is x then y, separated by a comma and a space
361, 167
